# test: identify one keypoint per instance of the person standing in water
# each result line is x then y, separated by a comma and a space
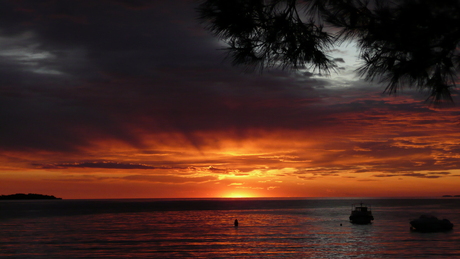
236, 223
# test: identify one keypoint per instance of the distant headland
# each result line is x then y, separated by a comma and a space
448, 196
30, 196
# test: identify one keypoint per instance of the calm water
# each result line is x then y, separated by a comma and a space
203, 228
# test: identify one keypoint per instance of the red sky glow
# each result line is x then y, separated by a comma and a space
106, 99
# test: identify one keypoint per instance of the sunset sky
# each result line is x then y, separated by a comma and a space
134, 99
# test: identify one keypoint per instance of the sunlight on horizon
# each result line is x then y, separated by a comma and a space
238, 195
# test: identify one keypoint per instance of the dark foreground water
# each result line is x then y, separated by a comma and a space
203, 228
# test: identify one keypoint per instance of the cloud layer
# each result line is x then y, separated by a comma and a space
137, 91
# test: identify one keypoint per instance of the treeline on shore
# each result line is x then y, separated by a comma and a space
29, 196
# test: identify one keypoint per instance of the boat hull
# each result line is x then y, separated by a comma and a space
361, 219
431, 224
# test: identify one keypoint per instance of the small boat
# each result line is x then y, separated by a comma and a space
361, 214
429, 223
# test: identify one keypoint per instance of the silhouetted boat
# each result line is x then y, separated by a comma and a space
361, 214
429, 223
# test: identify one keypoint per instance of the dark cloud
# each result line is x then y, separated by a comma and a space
432, 175
440, 173
135, 4
339, 60
170, 179
420, 175
75, 72
102, 165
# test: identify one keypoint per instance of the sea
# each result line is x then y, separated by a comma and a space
204, 228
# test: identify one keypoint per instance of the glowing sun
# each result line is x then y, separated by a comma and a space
237, 195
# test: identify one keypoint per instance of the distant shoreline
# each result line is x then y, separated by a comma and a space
451, 196
30, 196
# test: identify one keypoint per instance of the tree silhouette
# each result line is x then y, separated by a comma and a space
406, 43
265, 34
